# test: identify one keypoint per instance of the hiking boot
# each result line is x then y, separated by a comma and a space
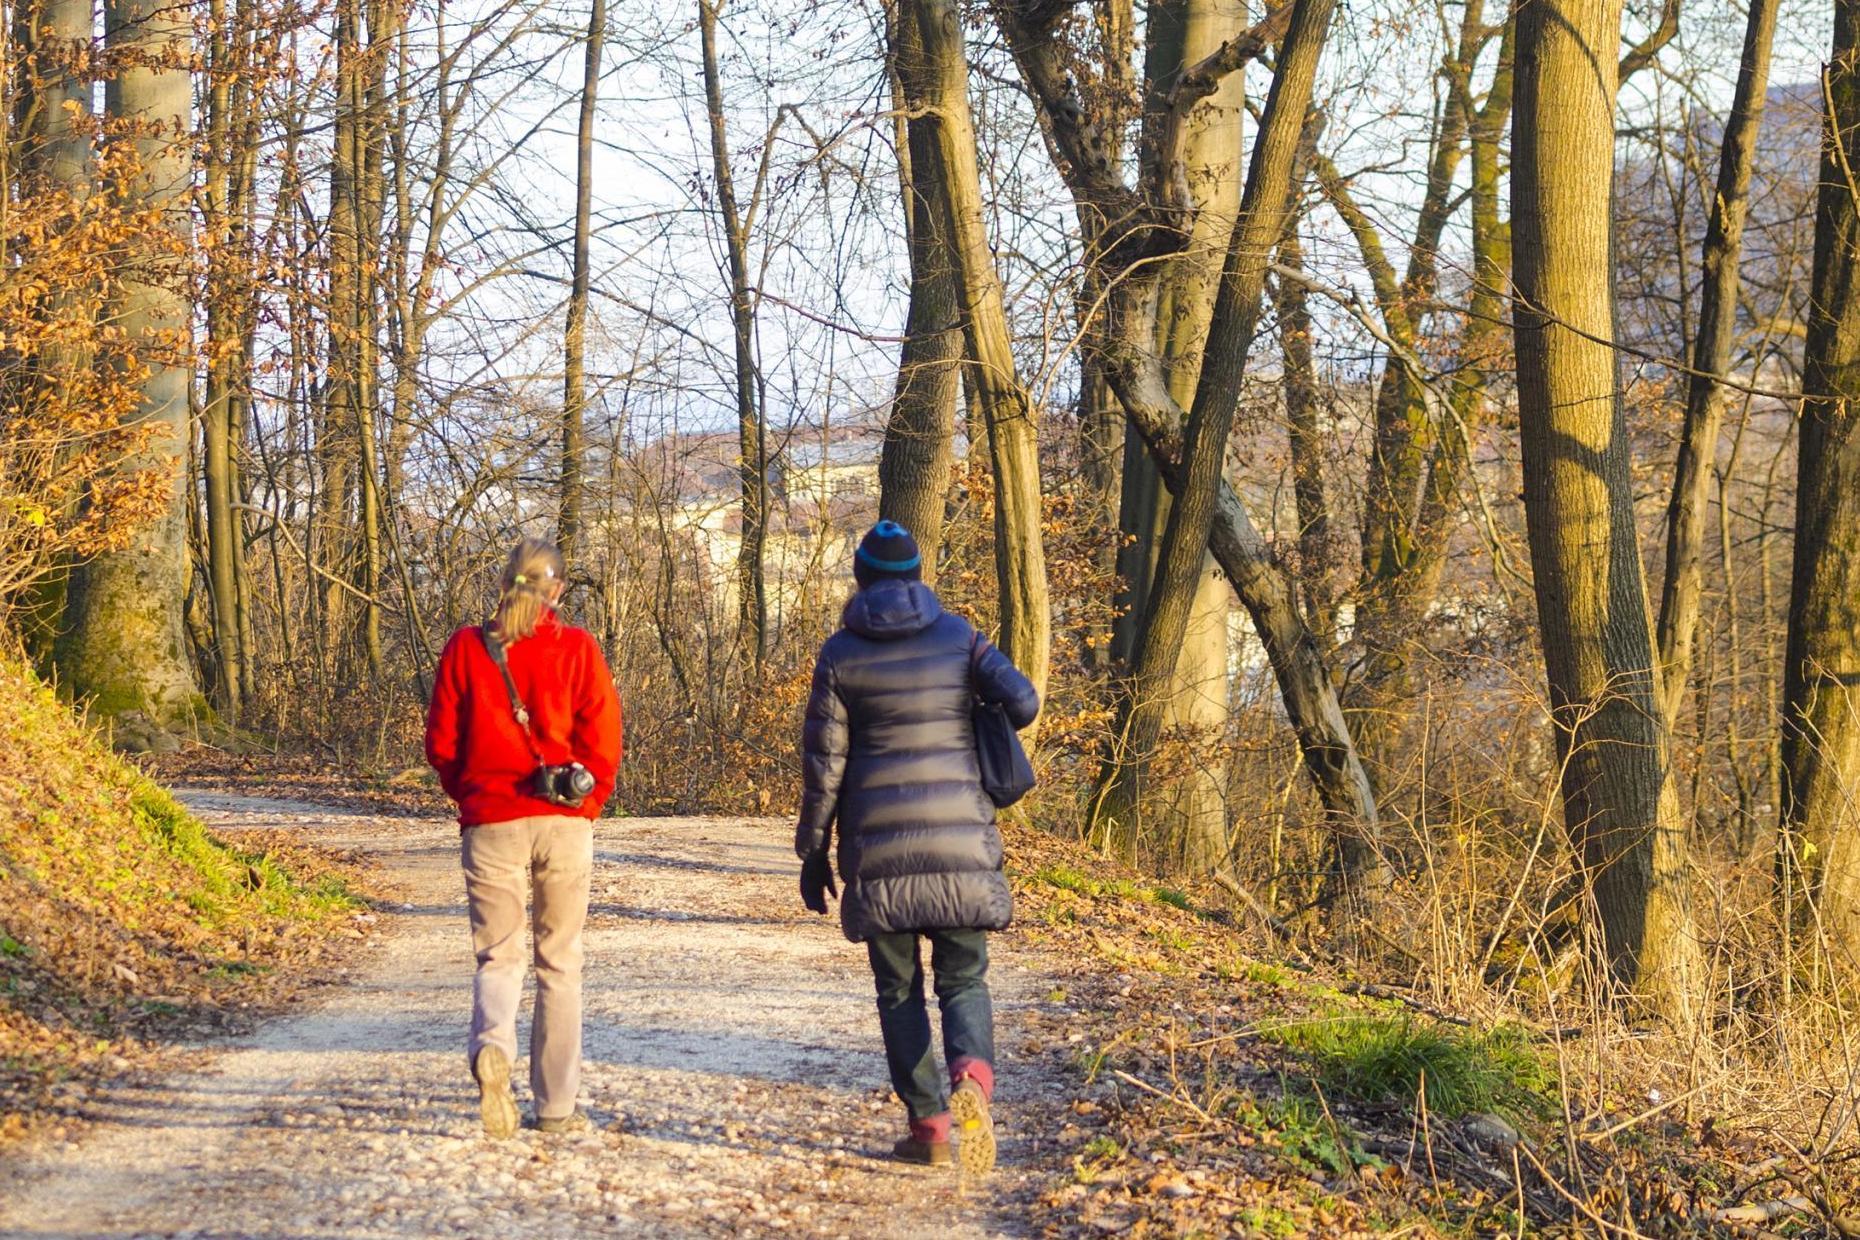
575, 1121
923, 1153
496, 1104
975, 1128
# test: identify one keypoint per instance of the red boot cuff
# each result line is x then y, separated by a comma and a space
977, 1070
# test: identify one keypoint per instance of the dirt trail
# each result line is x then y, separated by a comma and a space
732, 1060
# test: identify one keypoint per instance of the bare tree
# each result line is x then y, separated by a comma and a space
1013, 435
1260, 225
226, 205
575, 328
1191, 817
1711, 356
1620, 804
1820, 860
752, 603
914, 467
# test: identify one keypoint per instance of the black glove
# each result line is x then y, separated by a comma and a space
817, 882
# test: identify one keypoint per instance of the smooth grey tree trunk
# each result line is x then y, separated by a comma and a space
124, 651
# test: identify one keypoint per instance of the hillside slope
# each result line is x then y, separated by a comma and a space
121, 916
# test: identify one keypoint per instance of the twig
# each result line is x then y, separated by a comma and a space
1588, 1211
1652, 1111
1148, 1088
318, 569
1762, 1212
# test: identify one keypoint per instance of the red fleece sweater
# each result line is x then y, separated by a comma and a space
476, 744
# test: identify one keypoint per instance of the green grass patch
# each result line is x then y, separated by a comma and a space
1270, 1221
1394, 1056
233, 882
1297, 1124
1069, 878
1173, 898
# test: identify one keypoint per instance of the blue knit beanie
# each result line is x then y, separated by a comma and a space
887, 552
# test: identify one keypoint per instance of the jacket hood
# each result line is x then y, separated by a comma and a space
890, 609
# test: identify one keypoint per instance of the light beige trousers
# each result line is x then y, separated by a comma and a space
553, 856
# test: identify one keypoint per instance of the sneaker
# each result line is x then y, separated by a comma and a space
975, 1128
923, 1153
496, 1104
575, 1121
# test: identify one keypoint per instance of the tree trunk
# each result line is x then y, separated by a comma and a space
1820, 858
371, 186
225, 324
1101, 480
125, 651
242, 201
1132, 227
1619, 802
337, 440
1261, 224
914, 465
1482, 337
53, 126
574, 331
1192, 817
1711, 355
1316, 556
1298, 664
752, 467
1013, 434
1402, 549
55, 97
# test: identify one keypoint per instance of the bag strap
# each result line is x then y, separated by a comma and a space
495, 648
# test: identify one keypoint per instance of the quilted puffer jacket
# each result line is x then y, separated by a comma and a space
889, 750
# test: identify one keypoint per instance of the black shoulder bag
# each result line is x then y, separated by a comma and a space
1007, 776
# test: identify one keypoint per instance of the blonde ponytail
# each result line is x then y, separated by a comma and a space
529, 580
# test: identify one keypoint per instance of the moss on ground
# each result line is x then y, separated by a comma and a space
121, 915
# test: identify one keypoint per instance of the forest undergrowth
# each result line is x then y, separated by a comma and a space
1237, 1082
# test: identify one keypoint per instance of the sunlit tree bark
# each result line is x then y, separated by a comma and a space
1261, 225
575, 330
914, 465
1190, 820
124, 651
1013, 439
1820, 859
1619, 801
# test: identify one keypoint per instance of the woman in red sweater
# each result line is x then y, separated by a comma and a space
524, 730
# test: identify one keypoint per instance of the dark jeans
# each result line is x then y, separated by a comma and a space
959, 961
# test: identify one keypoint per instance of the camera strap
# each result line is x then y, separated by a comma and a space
495, 649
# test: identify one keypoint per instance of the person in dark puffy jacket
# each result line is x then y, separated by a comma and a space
889, 751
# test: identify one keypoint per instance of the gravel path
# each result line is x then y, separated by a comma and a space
733, 1066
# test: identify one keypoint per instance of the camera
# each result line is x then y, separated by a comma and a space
568, 784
